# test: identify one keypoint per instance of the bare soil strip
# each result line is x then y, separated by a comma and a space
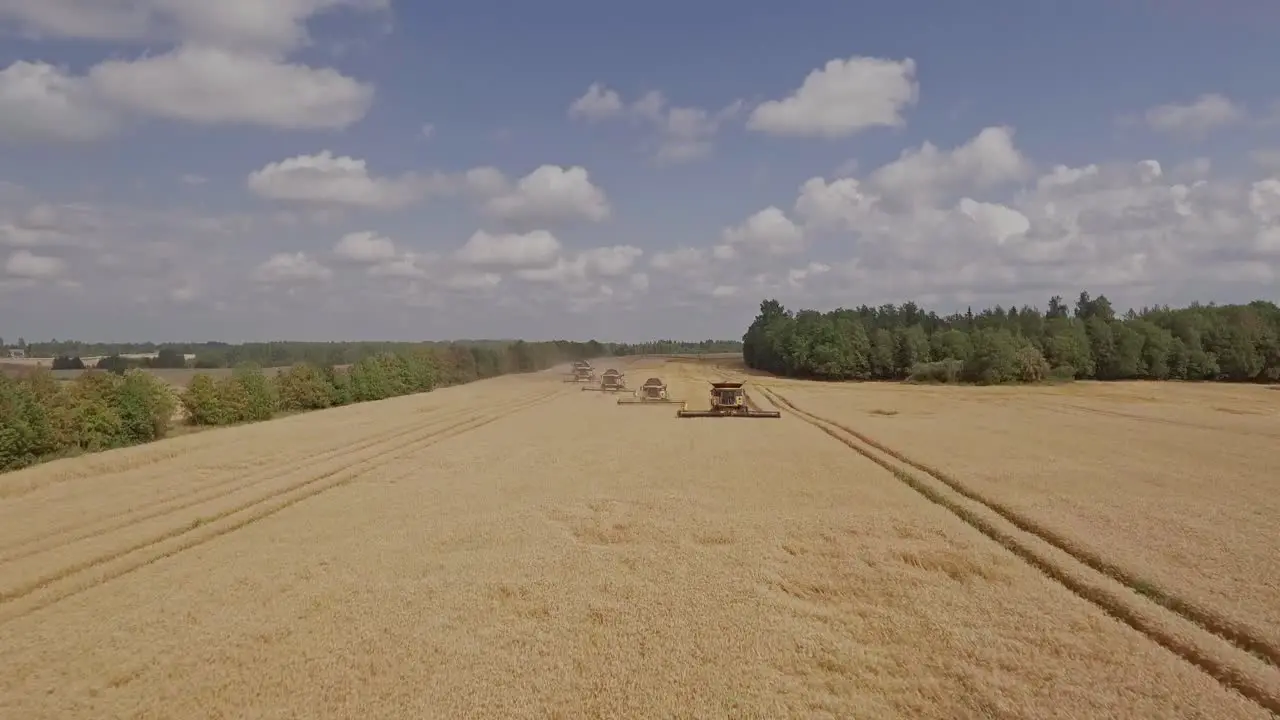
1252, 676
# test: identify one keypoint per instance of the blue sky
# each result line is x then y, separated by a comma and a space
131, 133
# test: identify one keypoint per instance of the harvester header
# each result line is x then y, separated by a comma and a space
729, 399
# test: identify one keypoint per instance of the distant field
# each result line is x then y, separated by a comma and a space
178, 378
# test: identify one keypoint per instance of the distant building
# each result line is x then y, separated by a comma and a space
17, 354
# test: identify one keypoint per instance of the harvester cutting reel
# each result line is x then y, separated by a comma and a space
729, 399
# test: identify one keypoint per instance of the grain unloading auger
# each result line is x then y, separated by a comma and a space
729, 399
611, 382
652, 392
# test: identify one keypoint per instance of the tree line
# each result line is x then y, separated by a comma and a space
67, 354
43, 418
1237, 343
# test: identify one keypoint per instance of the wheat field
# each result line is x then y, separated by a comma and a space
518, 548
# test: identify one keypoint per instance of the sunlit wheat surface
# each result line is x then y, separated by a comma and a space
1176, 483
520, 548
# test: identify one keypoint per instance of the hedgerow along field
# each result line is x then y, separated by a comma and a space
536, 550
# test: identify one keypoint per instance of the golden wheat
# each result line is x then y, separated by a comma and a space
517, 548
1171, 483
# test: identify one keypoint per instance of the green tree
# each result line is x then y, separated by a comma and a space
202, 403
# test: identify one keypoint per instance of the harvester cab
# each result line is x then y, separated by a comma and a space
729, 399
652, 391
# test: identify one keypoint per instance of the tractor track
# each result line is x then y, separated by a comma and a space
1237, 665
82, 576
1169, 422
142, 512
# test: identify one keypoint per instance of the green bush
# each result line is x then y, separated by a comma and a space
304, 387
369, 380
340, 385
1062, 374
233, 401
145, 406
91, 420
259, 392
942, 371
201, 402
26, 431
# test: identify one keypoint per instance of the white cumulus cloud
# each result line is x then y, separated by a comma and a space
1205, 113
513, 251
227, 64
841, 98
365, 247
339, 180
209, 85
288, 267
550, 194
684, 133
25, 264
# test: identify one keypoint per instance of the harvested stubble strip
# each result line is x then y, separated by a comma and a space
1234, 667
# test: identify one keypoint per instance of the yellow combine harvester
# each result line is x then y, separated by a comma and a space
729, 399
581, 372
653, 391
611, 382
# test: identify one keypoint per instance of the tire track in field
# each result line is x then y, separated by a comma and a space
81, 576
112, 468
1237, 668
142, 512
385, 441
1171, 422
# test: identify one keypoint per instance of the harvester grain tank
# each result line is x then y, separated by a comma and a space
729, 399
653, 391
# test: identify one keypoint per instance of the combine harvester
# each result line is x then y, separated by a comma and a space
729, 399
652, 392
581, 372
610, 382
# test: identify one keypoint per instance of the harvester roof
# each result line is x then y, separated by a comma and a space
612, 373
653, 382
727, 385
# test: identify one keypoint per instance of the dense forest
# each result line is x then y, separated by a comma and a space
487, 353
1239, 343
